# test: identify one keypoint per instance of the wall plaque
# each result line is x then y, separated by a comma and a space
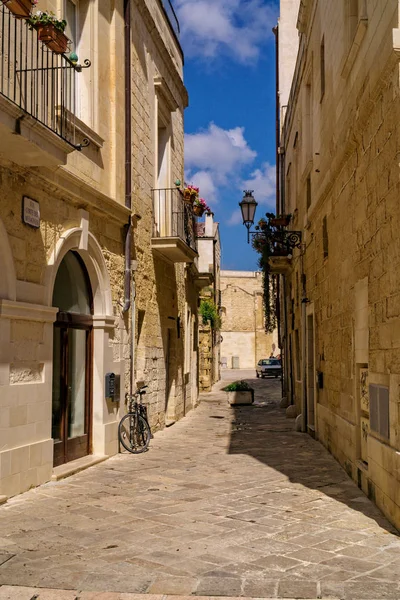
30, 212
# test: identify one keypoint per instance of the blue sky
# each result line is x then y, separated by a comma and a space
230, 123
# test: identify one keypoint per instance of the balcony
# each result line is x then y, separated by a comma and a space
174, 226
37, 98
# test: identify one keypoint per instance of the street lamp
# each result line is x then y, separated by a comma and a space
248, 207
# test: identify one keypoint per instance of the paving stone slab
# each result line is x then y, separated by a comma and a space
214, 508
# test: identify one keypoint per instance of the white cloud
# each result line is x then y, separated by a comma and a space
204, 181
263, 182
218, 153
236, 28
235, 218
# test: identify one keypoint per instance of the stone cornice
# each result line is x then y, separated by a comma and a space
82, 193
27, 312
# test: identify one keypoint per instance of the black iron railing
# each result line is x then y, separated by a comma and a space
40, 82
171, 14
173, 217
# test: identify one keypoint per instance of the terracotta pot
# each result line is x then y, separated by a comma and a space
54, 39
19, 8
198, 210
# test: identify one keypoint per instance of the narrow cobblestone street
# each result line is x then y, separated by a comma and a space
228, 501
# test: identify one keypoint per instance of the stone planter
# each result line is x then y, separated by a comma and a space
19, 8
240, 397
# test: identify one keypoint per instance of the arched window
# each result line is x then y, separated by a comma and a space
71, 288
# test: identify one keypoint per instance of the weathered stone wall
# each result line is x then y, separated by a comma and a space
164, 290
351, 262
82, 209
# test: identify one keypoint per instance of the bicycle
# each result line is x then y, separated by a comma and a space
134, 429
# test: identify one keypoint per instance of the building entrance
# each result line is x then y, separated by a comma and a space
72, 361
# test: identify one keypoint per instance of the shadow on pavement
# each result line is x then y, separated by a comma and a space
263, 432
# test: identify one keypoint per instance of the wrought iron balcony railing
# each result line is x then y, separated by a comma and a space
40, 82
173, 218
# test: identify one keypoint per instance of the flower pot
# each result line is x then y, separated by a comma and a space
19, 8
198, 210
241, 397
280, 221
54, 39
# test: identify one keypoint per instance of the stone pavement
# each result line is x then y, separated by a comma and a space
227, 502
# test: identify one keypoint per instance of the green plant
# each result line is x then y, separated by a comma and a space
209, 313
238, 386
47, 18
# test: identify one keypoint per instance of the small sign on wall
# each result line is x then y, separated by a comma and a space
30, 212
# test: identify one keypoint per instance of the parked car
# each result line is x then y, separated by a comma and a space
269, 366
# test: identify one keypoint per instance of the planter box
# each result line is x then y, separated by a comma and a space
54, 39
241, 397
280, 221
198, 211
19, 8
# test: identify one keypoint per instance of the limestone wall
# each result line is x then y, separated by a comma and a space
82, 208
349, 153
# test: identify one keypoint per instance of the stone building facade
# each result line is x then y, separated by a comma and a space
209, 266
73, 291
340, 169
244, 341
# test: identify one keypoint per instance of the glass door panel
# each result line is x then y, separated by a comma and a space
76, 382
57, 409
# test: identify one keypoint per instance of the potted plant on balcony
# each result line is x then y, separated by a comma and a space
200, 207
50, 31
20, 8
190, 194
239, 392
280, 220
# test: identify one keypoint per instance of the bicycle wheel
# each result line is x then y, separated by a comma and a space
134, 433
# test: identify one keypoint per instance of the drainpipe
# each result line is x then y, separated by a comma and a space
128, 171
304, 301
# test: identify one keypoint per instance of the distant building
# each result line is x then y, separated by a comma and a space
244, 341
209, 267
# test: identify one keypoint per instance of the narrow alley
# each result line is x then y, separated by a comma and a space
228, 501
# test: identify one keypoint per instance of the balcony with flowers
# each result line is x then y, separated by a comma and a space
38, 125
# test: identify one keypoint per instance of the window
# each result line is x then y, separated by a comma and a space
325, 241
379, 409
297, 354
288, 199
322, 65
308, 192
163, 205
72, 29
353, 10
307, 119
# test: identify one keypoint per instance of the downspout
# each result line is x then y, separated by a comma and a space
128, 172
304, 301
285, 350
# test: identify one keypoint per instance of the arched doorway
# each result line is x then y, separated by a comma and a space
72, 361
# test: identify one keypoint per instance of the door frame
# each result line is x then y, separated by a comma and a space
66, 322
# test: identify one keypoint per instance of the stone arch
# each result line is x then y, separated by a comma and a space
8, 279
95, 264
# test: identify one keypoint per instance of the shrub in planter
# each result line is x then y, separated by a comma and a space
239, 392
50, 31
